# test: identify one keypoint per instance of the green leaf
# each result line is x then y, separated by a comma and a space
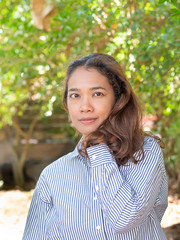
174, 15
174, 1
174, 7
177, 11
162, 1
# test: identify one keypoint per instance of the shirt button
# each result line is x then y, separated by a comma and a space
93, 157
98, 227
96, 187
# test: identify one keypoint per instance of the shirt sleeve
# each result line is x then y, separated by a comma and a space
40, 207
126, 199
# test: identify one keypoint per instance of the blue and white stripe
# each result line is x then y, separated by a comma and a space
81, 198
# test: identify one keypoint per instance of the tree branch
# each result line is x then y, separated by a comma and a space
19, 130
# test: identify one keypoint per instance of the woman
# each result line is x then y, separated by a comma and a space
113, 185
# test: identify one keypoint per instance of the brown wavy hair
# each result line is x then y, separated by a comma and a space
122, 131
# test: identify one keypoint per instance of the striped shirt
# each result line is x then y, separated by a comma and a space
94, 198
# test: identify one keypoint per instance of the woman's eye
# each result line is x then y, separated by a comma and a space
74, 95
97, 94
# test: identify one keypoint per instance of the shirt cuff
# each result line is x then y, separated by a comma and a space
99, 155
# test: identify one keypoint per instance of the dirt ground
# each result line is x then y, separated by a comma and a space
14, 207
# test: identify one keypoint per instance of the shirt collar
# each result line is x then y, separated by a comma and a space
76, 154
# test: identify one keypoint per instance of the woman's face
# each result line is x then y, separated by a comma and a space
90, 99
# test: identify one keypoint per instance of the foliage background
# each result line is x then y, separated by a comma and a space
141, 35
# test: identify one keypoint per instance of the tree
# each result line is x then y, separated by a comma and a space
26, 78
150, 48
33, 65
142, 35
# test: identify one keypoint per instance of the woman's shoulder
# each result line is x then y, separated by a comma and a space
152, 153
151, 144
50, 176
53, 173
151, 158
57, 164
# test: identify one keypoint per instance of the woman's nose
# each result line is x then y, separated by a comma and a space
86, 105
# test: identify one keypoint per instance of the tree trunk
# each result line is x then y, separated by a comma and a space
18, 174
17, 169
18, 163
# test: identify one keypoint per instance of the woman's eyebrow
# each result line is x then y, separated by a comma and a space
96, 88
73, 90
92, 89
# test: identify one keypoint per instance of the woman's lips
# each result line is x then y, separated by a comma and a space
87, 120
